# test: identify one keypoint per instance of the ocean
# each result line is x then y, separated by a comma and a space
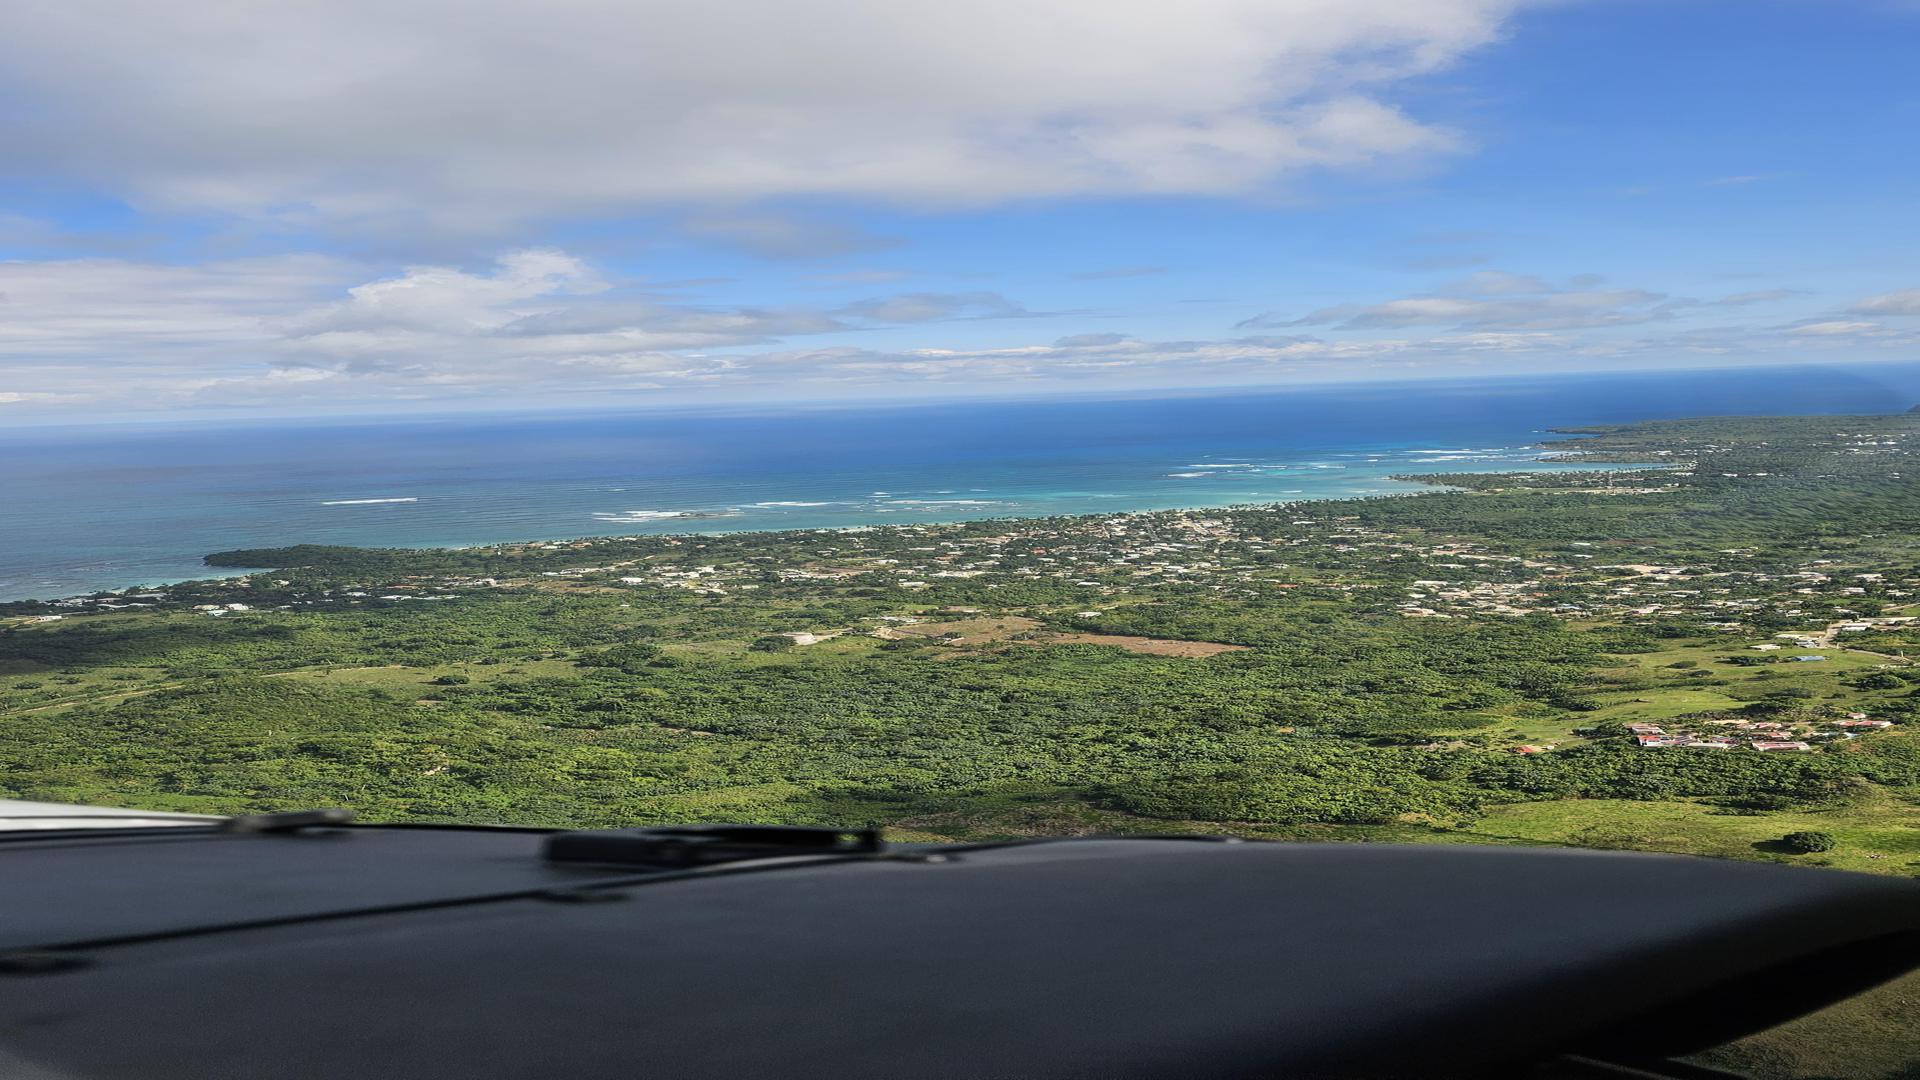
84, 509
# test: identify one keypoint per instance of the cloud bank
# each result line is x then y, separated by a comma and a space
479, 113
545, 325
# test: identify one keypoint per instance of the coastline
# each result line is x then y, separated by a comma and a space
92, 515
1410, 485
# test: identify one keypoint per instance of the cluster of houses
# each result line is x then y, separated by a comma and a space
1766, 736
119, 601
221, 609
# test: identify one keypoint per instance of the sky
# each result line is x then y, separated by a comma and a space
372, 206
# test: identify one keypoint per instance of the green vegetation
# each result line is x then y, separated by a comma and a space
1807, 842
1477, 664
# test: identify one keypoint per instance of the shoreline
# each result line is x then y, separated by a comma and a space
1414, 483
175, 498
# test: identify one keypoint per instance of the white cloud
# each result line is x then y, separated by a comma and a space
1491, 300
476, 114
19, 397
1497, 283
1903, 302
443, 299
298, 328
931, 306
1120, 359
1835, 328
303, 332
108, 313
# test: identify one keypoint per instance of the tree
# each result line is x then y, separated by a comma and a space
1806, 843
452, 680
630, 658
771, 643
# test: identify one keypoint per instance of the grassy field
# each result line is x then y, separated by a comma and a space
1876, 833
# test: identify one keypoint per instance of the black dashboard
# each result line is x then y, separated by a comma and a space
290, 946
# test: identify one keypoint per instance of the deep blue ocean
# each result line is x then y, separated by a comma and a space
105, 507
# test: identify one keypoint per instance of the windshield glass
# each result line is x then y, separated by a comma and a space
1464, 421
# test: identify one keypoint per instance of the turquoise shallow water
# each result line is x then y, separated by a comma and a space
84, 509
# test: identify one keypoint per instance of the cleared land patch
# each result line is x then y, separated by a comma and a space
987, 630
1147, 645
983, 630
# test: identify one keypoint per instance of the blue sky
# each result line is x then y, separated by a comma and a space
374, 207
